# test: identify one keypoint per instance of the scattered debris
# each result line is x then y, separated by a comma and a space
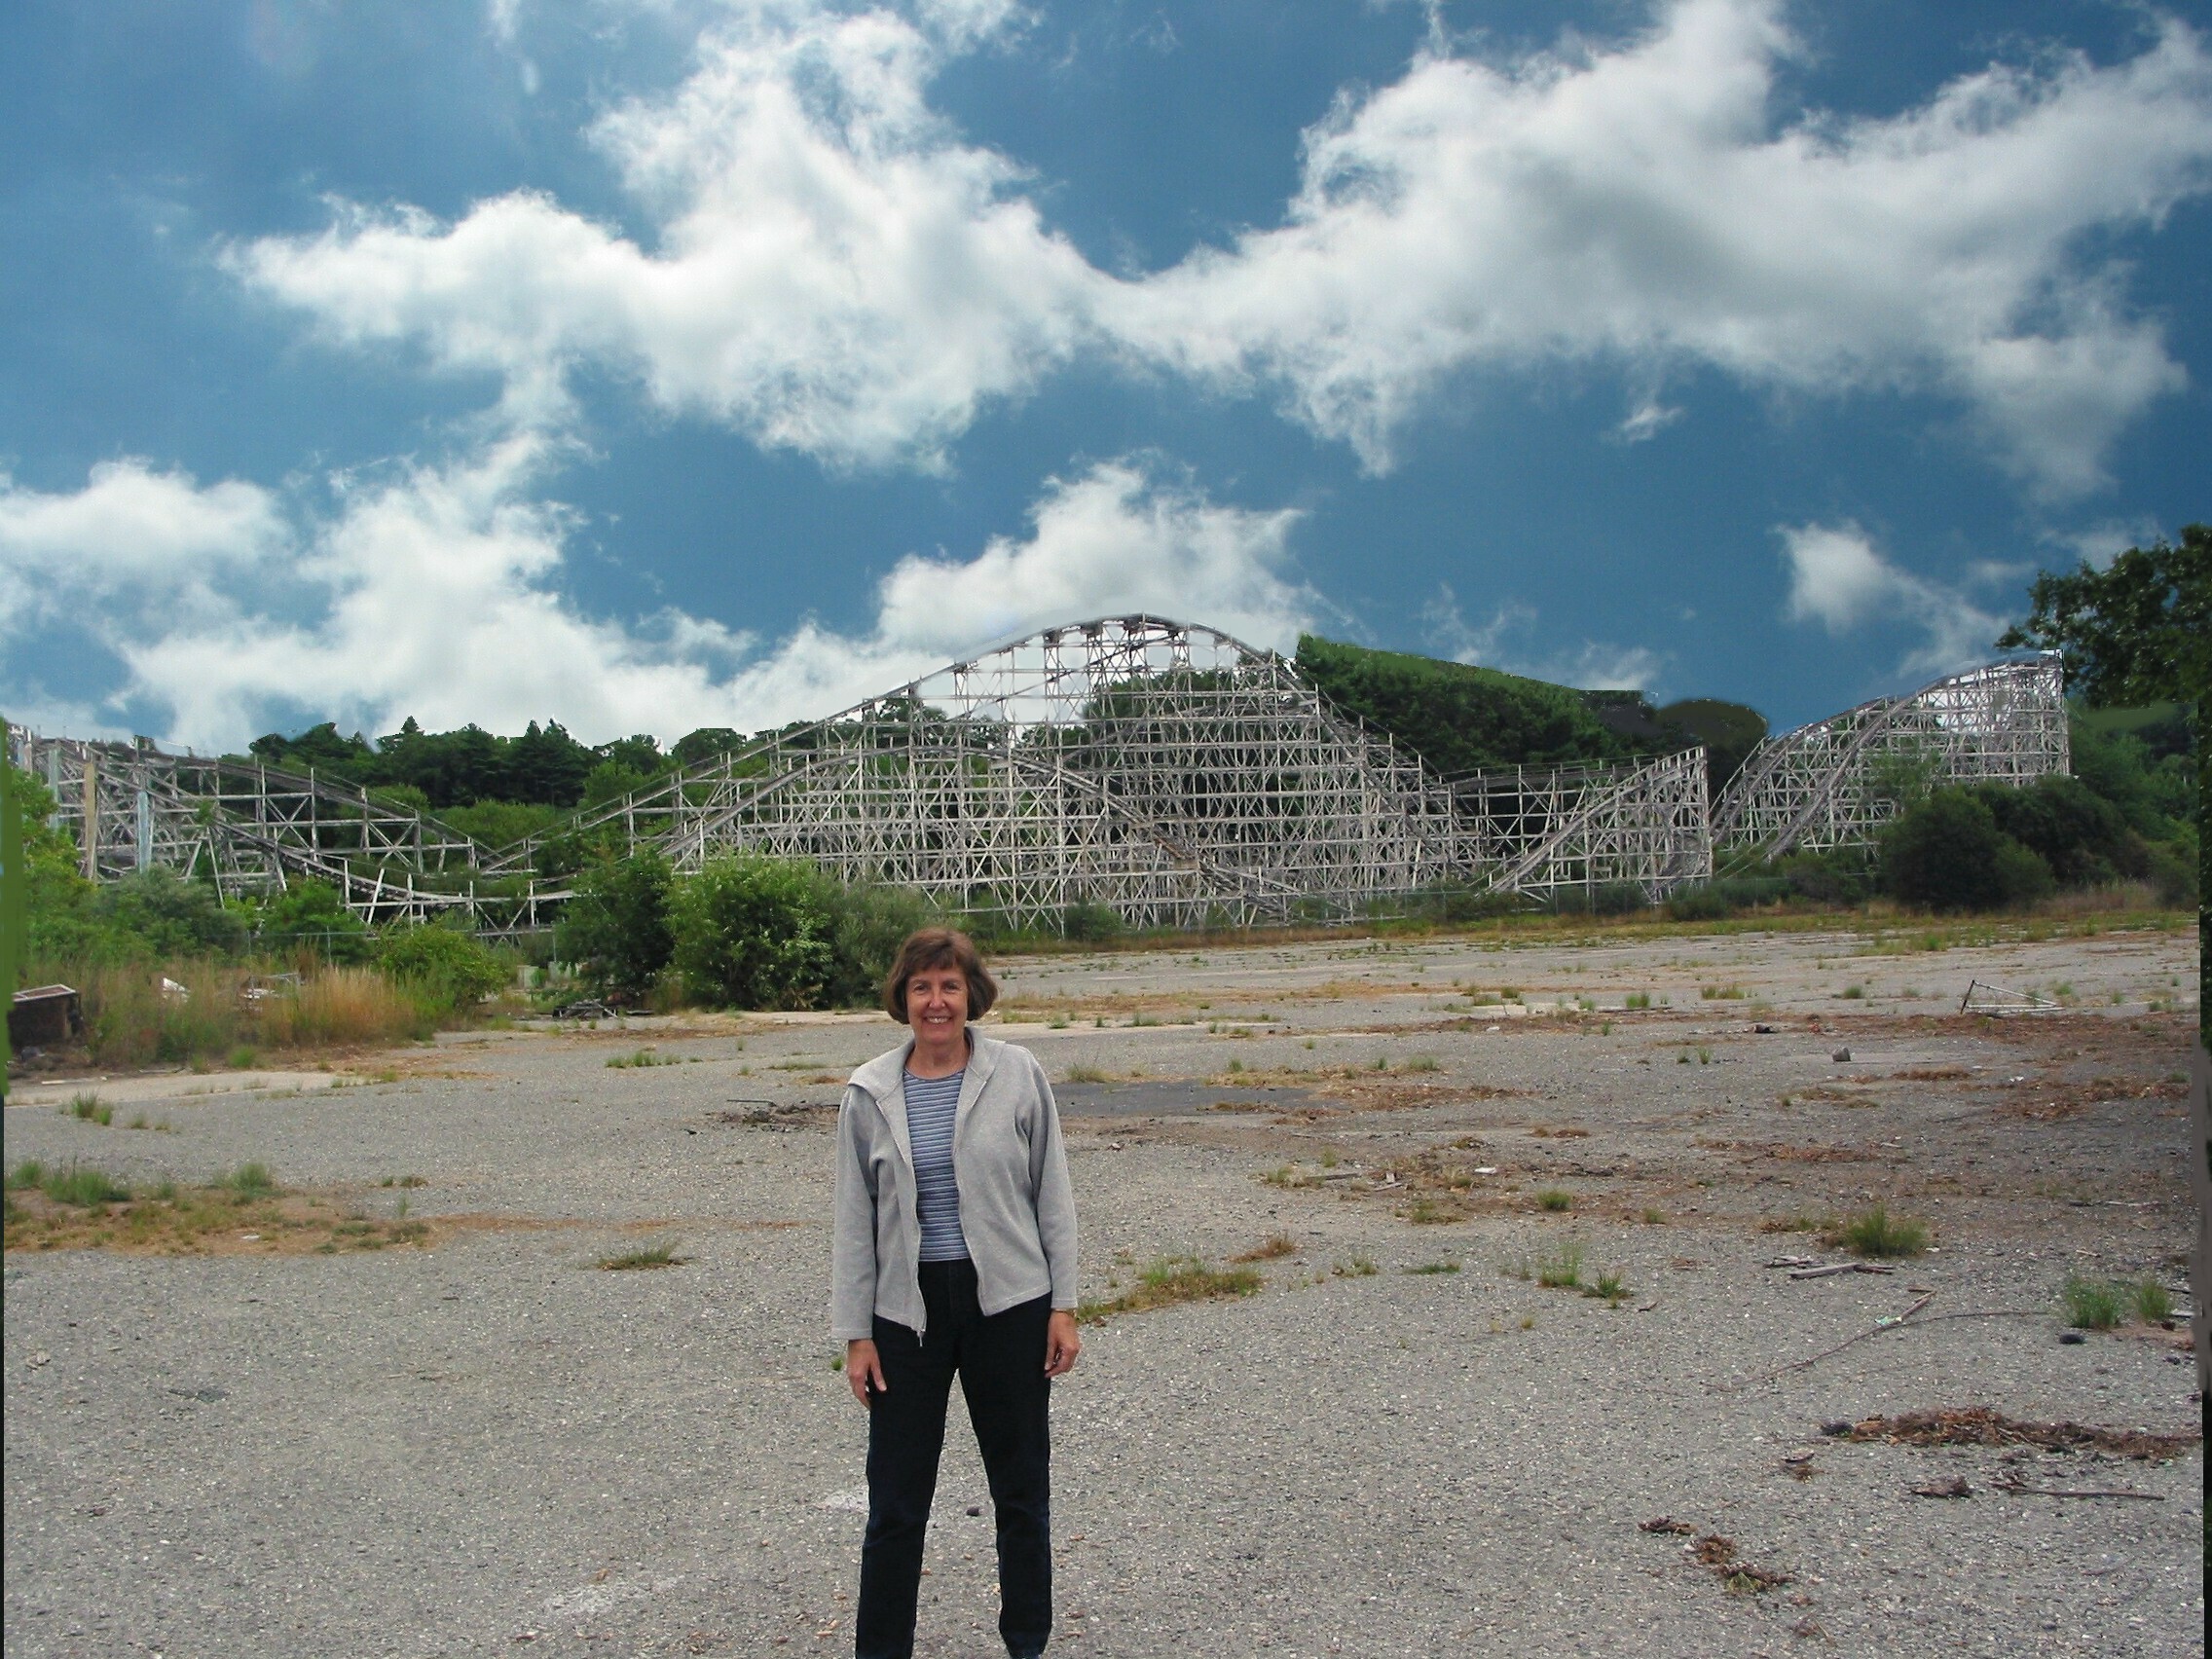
1841, 1055
2073, 1339
1665, 1524
1954, 1488
1834, 1268
1982, 998
1740, 1577
2014, 1487
588, 1008
1980, 1426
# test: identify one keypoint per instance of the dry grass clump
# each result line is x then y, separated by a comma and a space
1268, 1249
1876, 1232
132, 1017
1169, 1281
244, 1212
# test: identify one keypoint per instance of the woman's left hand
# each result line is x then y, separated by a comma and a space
1061, 1343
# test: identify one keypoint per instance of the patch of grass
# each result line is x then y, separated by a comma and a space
1852, 993
84, 1209
2152, 1301
1652, 1216
249, 1181
2093, 1305
82, 1188
1329, 1158
1425, 1063
1562, 1271
1271, 1249
1555, 1200
1088, 1074
1637, 999
1359, 1267
1435, 1268
644, 1258
1721, 993
91, 1109
652, 1058
1610, 1287
1876, 1232
1790, 1224
1427, 1212
243, 1057
26, 1175
1168, 1281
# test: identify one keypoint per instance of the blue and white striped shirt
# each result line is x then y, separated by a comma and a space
932, 1103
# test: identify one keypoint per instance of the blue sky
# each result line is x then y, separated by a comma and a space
654, 364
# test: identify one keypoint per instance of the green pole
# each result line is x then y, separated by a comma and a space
11, 902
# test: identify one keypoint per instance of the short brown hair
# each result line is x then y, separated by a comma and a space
939, 947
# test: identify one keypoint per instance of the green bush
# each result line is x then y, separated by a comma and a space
869, 923
615, 929
755, 933
1707, 901
308, 917
1948, 854
157, 914
2080, 837
1090, 922
444, 969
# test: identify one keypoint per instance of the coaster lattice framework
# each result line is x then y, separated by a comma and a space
1836, 782
253, 830
1162, 770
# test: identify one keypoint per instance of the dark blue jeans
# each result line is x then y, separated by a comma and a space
1000, 1364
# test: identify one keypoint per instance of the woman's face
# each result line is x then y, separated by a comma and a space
936, 1002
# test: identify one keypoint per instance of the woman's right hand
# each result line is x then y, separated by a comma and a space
864, 1370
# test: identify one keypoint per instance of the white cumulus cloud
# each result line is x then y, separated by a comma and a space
829, 266
1839, 579
437, 591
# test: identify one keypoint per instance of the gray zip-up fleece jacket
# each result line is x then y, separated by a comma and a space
1017, 1207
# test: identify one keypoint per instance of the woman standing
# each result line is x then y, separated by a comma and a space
954, 1253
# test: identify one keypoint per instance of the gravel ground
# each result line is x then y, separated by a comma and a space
488, 1445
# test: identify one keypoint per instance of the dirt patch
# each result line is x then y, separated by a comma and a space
1979, 1426
1783, 1151
207, 1221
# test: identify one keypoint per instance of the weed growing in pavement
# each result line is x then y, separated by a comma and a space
1610, 1287
82, 1186
91, 1109
1517, 1267
1528, 1321
1271, 1249
1283, 1175
1555, 1199
1172, 1279
1876, 1232
1653, 1216
647, 1057
1637, 999
1329, 1158
1790, 1224
644, 1258
243, 1057
249, 1181
1088, 1074
26, 1175
1435, 1268
1682, 1058
1721, 993
2152, 1301
1425, 1063
1381, 1063
1359, 1267
1852, 993
1562, 1271
2093, 1305
1143, 1020
1427, 1212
